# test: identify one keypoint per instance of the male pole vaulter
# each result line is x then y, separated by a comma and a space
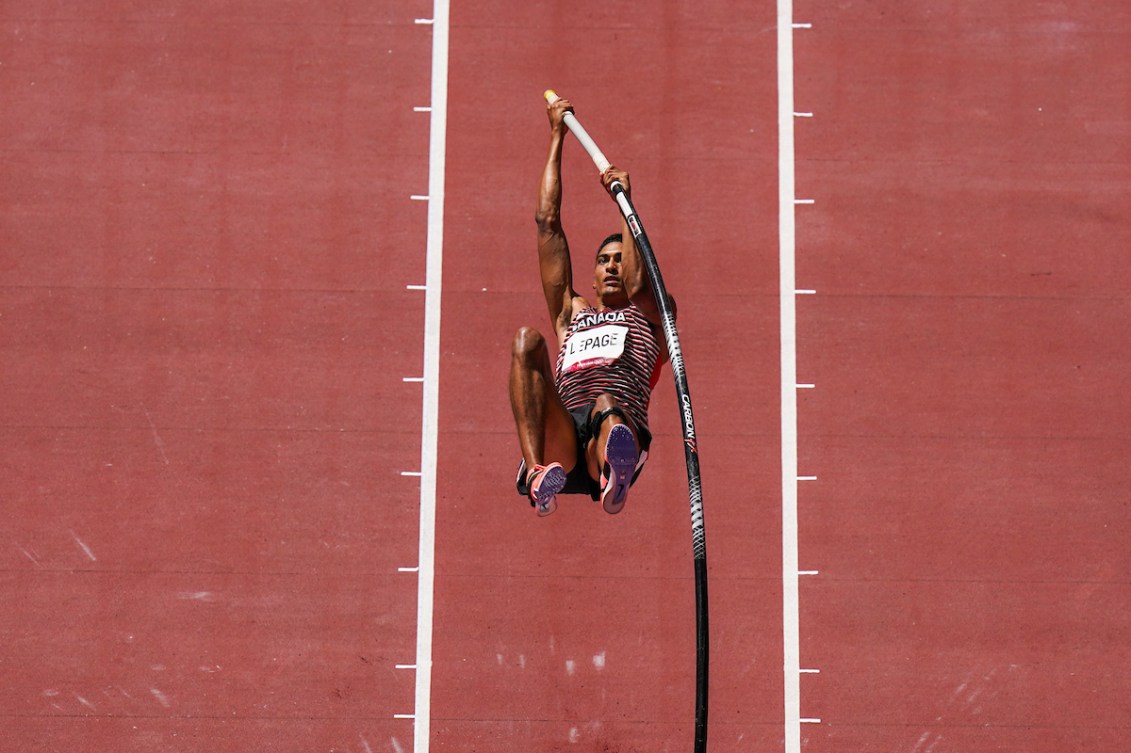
582, 419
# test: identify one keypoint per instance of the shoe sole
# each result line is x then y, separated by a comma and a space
546, 492
620, 458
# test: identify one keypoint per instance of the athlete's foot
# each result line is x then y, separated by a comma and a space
618, 467
544, 482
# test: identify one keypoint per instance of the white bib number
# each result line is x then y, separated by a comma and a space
594, 347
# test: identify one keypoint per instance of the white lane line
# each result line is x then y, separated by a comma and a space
810, 720
802, 114
422, 109
408, 569
808, 572
416, 287
806, 478
791, 644
404, 666
809, 671
412, 379
805, 292
806, 386
804, 201
420, 197
425, 586
412, 473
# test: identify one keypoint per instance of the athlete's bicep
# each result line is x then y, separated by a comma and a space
646, 302
555, 270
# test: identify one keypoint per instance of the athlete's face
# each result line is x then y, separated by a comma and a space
607, 280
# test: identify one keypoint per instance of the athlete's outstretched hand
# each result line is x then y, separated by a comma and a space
556, 111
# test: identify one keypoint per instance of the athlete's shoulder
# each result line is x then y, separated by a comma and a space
581, 305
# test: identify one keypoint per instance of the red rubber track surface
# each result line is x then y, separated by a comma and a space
206, 234
970, 164
205, 242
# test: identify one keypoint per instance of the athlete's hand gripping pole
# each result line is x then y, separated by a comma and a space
599, 160
690, 449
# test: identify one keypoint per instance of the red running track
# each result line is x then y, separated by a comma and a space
968, 340
206, 243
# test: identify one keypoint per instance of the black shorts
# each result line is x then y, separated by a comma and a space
578, 480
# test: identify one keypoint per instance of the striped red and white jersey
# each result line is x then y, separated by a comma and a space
609, 350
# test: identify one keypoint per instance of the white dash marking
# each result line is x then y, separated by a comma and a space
84, 547
426, 21
804, 201
422, 109
29, 555
803, 26
156, 437
806, 386
809, 671
807, 572
806, 478
416, 287
412, 379
411, 473
809, 720
161, 697
195, 595
805, 292
404, 716
405, 666
418, 197
802, 114
408, 569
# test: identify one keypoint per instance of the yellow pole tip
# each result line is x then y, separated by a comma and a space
550, 95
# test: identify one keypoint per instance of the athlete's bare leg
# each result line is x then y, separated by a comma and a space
595, 450
546, 432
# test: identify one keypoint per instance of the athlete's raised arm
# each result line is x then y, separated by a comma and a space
553, 250
637, 284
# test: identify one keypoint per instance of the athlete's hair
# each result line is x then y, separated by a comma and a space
614, 238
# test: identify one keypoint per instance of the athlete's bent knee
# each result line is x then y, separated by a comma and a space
528, 342
604, 401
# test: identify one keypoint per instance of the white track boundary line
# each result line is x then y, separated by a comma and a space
786, 254
437, 148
